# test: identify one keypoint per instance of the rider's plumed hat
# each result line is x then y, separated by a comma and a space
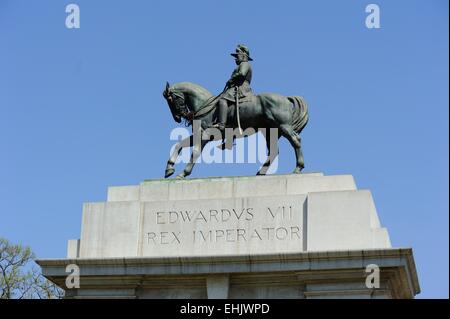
244, 50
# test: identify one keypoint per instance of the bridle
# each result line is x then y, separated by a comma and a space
177, 102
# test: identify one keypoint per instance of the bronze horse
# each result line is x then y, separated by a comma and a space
189, 101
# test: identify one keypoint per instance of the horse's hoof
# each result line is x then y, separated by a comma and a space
180, 176
297, 170
260, 174
169, 172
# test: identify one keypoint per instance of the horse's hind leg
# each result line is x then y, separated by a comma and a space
288, 132
272, 149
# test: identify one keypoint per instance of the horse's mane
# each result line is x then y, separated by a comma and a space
189, 87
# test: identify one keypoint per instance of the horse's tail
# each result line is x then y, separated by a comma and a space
300, 113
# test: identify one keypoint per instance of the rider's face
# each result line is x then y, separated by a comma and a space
240, 58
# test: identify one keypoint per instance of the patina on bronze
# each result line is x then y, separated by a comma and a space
263, 112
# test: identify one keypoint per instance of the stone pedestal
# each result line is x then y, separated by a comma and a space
278, 236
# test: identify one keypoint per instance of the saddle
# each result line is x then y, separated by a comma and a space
212, 102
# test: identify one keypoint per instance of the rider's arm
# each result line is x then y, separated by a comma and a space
239, 75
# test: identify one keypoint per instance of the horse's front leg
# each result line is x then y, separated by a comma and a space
186, 142
196, 152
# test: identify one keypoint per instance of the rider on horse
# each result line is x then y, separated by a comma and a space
239, 83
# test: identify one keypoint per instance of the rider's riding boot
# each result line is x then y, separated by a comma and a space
223, 110
221, 125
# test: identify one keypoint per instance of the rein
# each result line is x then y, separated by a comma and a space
187, 114
209, 105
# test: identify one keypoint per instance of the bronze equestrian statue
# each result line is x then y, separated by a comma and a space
236, 107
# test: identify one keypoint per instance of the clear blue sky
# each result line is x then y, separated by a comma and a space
81, 110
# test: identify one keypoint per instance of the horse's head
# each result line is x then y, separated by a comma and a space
176, 100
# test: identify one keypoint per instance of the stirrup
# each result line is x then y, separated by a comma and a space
220, 126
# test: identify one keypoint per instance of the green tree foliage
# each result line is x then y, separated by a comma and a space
20, 278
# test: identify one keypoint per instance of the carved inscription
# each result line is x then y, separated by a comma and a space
224, 225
